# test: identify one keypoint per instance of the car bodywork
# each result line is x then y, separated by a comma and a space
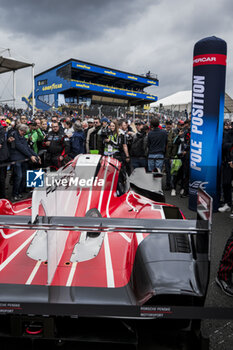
97, 249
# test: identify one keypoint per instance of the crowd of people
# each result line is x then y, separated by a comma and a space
50, 141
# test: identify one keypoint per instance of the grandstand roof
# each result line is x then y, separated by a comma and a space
9, 64
104, 75
75, 81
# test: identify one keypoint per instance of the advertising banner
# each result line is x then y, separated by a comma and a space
208, 94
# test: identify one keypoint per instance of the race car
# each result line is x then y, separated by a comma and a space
88, 258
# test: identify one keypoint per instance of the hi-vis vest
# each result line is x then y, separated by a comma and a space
113, 146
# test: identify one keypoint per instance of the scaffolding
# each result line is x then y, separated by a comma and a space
10, 64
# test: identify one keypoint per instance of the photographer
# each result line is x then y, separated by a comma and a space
34, 135
19, 152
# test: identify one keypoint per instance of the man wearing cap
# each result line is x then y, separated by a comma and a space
90, 122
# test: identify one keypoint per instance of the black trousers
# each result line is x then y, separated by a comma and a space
3, 172
226, 263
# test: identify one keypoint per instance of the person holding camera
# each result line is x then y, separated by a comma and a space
115, 144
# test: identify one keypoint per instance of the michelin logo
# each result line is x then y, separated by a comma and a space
35, 178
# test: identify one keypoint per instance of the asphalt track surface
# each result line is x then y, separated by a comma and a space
220, 332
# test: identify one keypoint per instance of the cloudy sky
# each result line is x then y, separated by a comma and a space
131, 35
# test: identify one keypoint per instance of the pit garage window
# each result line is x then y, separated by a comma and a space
42, 82
49, 99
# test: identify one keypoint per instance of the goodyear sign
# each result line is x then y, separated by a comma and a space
112, 91
111, 72
52, 87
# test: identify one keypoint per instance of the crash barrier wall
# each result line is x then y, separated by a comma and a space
208, 93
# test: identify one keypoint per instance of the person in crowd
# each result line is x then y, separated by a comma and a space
44, 127
58, 147
171, 151
127, 132
157, 142
23, 119
114, 144
105, 124
19, 152
90, 122
227, 171
34, 135
179, 126
224, 273
182, 140
94, 141
37, 121
85, 126
77, 140
55, 119
68, 128
4, 155
139, 150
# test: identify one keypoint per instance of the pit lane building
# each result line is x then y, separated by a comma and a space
75, 82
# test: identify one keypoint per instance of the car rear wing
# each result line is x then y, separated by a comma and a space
58, 228
101, 224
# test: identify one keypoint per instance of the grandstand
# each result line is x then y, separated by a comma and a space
77, 82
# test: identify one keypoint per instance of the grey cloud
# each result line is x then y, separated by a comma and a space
81, 19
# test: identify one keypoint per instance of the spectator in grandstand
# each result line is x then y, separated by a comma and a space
19, 152
139, 149
157, 141
58, 147
94, 140
115, 144
77, 140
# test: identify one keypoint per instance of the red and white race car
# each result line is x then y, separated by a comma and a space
89, 245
